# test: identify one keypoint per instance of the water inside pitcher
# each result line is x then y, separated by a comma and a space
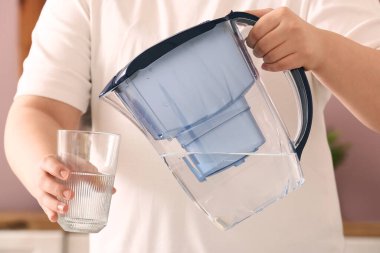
199, 100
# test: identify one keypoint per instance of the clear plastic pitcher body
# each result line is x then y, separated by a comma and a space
200, 102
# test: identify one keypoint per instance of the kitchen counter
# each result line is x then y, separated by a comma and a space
26, 221
39, 221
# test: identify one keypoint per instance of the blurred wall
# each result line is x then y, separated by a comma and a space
13, 196
358, 178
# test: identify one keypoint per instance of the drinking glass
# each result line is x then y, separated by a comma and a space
92, 160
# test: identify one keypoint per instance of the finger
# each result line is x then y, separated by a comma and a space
53, 204
265, 25
54, 167
259, 12
99, 182
269, 42
113, 190
87, 166
278, 53
52, 216
77, 163
286, 63
87, 171
50, 185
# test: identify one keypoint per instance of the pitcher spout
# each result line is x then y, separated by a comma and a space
112, 98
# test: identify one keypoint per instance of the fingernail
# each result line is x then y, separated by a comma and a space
53, 218
67, 194
265, 67
64, 174
61, 207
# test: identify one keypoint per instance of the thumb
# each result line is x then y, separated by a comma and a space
259, 12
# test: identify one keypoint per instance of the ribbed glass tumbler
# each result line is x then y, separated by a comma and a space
92, 159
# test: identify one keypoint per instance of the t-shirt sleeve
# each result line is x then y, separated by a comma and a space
58, 65
357, 20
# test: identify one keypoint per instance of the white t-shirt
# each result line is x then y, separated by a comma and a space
78, 46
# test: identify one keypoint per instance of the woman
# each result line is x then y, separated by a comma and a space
79, 45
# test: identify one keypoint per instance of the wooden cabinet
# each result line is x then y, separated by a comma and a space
29, 11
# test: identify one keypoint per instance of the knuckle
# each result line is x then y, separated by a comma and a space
249, 42
254, 35
54, 189
264, 49
307, 52
251, 39
55, 168
257, 31
280, 64
269, 58
58, 190
49, 202
283, 11
47, 184
45, 200
275, 67
50, 165
258, 49
293, 27
41, 181
256, 53
39, 197
47, 159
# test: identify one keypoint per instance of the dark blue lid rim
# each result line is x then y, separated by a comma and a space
155, 52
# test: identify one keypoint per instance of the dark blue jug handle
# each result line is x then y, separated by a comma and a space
300, 80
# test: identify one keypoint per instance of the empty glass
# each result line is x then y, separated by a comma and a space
92, 159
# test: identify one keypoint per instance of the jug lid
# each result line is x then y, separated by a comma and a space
155, 52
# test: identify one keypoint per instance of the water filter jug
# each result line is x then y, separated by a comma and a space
199, 100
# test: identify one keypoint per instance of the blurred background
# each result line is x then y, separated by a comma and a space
355, 149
